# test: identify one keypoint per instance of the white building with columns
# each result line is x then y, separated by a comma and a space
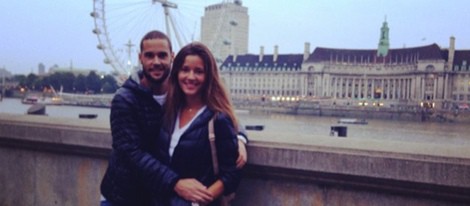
386, 77
258, 77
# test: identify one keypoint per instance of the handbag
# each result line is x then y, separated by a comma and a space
224, 199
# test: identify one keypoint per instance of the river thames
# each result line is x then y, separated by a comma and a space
297, 128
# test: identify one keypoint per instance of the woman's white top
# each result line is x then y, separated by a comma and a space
177, 132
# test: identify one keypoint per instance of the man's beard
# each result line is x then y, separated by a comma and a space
160, 80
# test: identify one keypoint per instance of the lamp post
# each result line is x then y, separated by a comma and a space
363, 104
129, 46
377, 104
3, 84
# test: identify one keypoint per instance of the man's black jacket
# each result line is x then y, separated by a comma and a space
134, 176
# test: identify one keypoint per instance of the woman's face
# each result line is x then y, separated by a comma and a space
191, 76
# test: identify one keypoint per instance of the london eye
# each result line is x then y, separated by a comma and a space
120, 24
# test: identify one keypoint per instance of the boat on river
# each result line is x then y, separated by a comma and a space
37, 109
352, 121
87, 116
254, 127
34, 99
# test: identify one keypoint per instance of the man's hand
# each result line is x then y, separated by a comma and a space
242, 155
193, 191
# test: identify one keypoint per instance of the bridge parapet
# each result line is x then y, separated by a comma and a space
57, 161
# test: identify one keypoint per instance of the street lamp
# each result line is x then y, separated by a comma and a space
3, 86
378, 105
363, 104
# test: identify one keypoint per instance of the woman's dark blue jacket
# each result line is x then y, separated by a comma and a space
192, 156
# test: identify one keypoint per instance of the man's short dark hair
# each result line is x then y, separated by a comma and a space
155, 35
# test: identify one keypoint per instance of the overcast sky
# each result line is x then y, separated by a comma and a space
60, 32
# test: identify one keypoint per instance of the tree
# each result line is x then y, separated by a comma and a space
109, 84
54, 80
67, 81
31, 81
93, 82
21, 79
80, 83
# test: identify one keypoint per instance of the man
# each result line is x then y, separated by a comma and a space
134, 176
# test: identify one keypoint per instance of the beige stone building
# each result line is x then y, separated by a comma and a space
426, 75
224, 28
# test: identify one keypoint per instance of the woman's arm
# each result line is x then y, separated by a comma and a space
227, 154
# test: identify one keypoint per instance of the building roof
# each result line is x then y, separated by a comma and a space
252, 60
321, 54
404, 55
460, 56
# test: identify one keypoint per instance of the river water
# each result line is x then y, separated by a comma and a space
290, 126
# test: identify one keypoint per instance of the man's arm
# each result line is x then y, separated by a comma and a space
194, 191
127, 141
242, 154
242, 141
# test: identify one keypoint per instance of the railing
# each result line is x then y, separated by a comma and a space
56, 161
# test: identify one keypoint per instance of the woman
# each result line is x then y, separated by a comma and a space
196, 95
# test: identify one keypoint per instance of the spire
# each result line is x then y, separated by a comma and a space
384, 43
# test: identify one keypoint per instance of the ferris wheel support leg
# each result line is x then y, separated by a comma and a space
167, 21
178, 39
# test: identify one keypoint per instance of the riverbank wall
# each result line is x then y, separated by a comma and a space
60, 161
406, 112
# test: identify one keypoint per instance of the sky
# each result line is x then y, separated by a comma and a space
60, 32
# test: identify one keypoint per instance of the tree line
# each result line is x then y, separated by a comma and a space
91, 83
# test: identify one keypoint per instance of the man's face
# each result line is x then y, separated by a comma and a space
156, 59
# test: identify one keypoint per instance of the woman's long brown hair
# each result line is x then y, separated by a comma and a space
213, 93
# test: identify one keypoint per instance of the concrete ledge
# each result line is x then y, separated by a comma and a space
56, 134
418, 176
56, 153
51, 161
435, 169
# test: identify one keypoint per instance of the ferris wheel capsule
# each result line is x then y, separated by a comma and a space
96, 31
94, 14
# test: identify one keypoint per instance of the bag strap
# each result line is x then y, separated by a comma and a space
215, 163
